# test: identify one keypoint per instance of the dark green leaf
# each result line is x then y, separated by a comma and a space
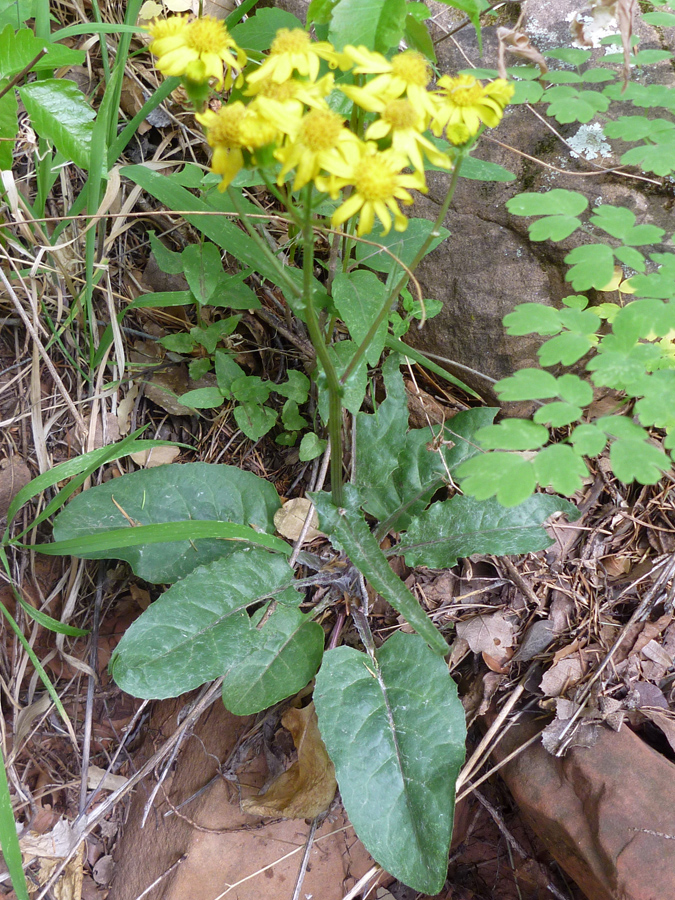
456, 528
203, 269
400, 794
359, 297
254, 420
258, 31
347, 529
354, 389
9, 126
171, 494
403, 246
203, 398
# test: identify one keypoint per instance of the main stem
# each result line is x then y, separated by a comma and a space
398, 287
317, 338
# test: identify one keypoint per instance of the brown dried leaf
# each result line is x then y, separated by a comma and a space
290, 519
562, 675
156, 456
307, 788
518, 43
665, 721
487, 634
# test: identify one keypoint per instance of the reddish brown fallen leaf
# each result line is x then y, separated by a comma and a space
307, 788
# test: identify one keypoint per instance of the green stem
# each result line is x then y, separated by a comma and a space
398, 287
260, 243
317, 338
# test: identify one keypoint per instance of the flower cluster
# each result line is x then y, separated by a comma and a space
287, 110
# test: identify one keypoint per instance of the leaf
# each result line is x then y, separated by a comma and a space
199, 629
570, 105
490, 634
659, 18
592, 266
231, 292
506, 475
203, 398
9, 841
565, 348
290, 520
533, 318
397, 473
636, 460
347, 530
553, 228
456, 528
254, 420
19, 48
554, 202
376, 24
513, 434
203, 269
258, 31
296, 387
482, 170
9, 126
273, 662
557, 414
575, 390
417, 36
620, 223
588, 440
169, 494
307, 788
401, 246
400, 794
310, 447
359, 297
560, 468
657, 158
320, 11
637, 128
527, 384
59, 111
227, 372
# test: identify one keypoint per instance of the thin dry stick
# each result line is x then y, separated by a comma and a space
305, 859
161, 878
482, 749
495, 769
363, 882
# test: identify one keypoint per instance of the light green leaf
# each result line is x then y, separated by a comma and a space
254, 420
320, 11
296, 387
661, 19
400, 794
203, 398
636, 460
630, 257
637, 128
533, 318
483, 170
574, 390
570, 55
527, 92
19, 48
251, 389
347, 529
620, 223
200, 629
554, 202
557, 414
657, 158
359, 297
9, 840
592, 266
59, 111
553, 228
376, 24
527, 384
203, 269
559, 467
456, 528
311, 446
507, 476
513, 434
176, 493
641, 58
565, 348
571, 105
588, 440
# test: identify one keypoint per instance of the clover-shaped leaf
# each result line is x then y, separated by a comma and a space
513, 434
588, 440
528, 384
555, 202
506, 475
635, 460
570, 105
565, 348
532, 318
560, 468
557, 414
620, 223
592, 266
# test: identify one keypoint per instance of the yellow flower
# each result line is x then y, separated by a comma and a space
293, 50
464, 100
406, 73
293, 94
500, 90
314, 140
230, 131
400, 119
200, 49
378, 183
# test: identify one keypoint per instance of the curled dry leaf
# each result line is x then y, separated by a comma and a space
290, 519
307, 788
561, 676
518, 43
156, 456
487, 634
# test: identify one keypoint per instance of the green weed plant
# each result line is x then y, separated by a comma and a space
232, 606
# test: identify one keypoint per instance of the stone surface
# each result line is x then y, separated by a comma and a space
606, 813
226, 852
